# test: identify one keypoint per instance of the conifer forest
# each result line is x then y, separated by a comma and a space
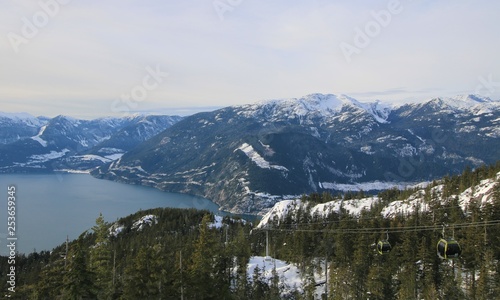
191, 254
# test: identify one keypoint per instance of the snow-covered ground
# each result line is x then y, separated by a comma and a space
283, 208
290, 277
366, 186
482, 193
146, 220
49, 156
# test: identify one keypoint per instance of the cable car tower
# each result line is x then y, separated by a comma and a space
448, 247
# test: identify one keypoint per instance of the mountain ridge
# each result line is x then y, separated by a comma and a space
247, 157
39, 144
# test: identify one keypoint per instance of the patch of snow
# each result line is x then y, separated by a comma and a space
367, 150
116, 229
467, 129
289, 274
257, 159
145, 220
89, 157
38, 136
84, 143
407, 151
217, 222
482, 193
114, 156
107, 150
365, 186
46, 157
315, 132
71, 171
421, 139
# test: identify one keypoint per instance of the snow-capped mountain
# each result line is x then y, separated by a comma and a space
311, 107
64, 143
245, 158
18, 126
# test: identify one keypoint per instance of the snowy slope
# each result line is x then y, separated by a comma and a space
472, 103
287, 207
257, 158
313, 105
290, 277
17, 126
482, 193
22, 117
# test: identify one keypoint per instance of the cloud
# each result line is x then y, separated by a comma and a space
92, 52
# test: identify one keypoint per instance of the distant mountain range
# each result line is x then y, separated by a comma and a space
245, 158
39, 144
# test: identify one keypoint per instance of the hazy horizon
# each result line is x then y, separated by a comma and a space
93, 59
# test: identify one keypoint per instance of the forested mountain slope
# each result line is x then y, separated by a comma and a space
166, 253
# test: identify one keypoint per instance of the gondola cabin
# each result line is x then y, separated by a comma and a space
448, 248
383, 247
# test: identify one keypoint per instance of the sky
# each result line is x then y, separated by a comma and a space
92, 58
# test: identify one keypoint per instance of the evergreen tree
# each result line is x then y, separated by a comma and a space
241, 249
408, 271
100, 259
201, 270
274, 287
259, 287
310, 283
140, 279
50, 284
78, 283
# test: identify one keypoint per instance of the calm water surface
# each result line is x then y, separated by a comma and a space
50, 207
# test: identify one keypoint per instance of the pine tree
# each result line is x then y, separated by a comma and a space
50, 284
259, 287
310, 283
140, 279
100, 259
201, 270
486, 283
274, 287
78, 283
379, 278
408, 271
241, 249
